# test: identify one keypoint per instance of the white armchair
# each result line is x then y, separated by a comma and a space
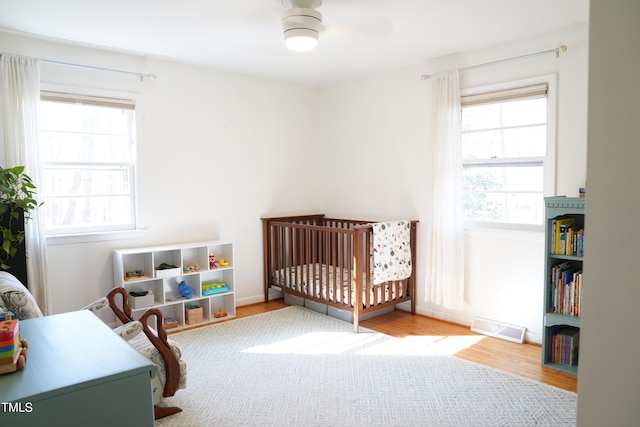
164, 353
16, 298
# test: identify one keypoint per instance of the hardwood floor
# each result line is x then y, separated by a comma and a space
519, 359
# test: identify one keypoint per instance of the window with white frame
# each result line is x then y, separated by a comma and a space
88, 156
507, 151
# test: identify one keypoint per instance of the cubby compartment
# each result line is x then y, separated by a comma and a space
189, 264
154, 293
218, 276
223, 304
167, 263
223, 255
175, 312
172, 290
135, 267
195, 260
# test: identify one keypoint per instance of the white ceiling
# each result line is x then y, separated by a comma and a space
358, 37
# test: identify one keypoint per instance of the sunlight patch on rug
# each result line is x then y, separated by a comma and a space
338, 342
428, 345
317, 343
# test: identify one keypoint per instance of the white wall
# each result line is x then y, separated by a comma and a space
381, 126
212, 144
210, 154
609, 344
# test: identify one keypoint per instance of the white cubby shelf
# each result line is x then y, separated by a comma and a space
136, 270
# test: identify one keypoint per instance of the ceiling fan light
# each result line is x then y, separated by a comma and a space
301, 28
301, 40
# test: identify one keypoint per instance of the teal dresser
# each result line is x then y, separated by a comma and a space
78, 372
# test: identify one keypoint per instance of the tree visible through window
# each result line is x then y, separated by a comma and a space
504, 151
88, 159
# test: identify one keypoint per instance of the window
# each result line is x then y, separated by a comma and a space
505, 149
88, 158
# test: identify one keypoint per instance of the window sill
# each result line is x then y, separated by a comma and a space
66, 239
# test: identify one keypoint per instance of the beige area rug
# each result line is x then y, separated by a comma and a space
295, 367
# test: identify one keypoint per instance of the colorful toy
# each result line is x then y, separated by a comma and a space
220, 313
191, 268
13, 350
135, 275
214, 288
185, 290
165, 266
223, 262
6, 315
170, 323
212, 261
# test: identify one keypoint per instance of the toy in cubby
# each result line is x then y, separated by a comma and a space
193, 314
214, 288
135, 275
185, 290
13, 350
191, 268
220, 313
213, 263
170, 323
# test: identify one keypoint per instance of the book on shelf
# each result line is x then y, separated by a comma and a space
566, 289
565, 345
566, 238
560, 226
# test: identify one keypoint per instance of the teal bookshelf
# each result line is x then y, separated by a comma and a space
564, 251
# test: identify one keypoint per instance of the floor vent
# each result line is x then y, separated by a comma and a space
498, 330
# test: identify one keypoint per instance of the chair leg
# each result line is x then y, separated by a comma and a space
164, 411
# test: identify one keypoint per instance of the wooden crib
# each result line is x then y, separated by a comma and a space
328, 261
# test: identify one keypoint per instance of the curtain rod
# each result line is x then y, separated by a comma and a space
110, 70
557, 51
142, 76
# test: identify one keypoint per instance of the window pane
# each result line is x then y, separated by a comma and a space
503, 178
503, 193
81, 212
518, 208
85, 181
505, 143
78, 147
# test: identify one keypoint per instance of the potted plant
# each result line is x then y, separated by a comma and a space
16, 202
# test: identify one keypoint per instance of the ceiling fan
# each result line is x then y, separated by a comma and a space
302, 23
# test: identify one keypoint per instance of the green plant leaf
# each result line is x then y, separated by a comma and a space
17, 192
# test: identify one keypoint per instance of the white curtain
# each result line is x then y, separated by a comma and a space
20, 92
445, 265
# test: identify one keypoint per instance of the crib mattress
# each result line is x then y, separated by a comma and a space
322, 281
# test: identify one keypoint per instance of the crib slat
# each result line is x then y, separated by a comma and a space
309, 263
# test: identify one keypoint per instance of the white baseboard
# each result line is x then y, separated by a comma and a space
447, 316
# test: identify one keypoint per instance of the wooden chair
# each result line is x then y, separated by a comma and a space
172, 367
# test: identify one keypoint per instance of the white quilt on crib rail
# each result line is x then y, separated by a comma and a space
391, 251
